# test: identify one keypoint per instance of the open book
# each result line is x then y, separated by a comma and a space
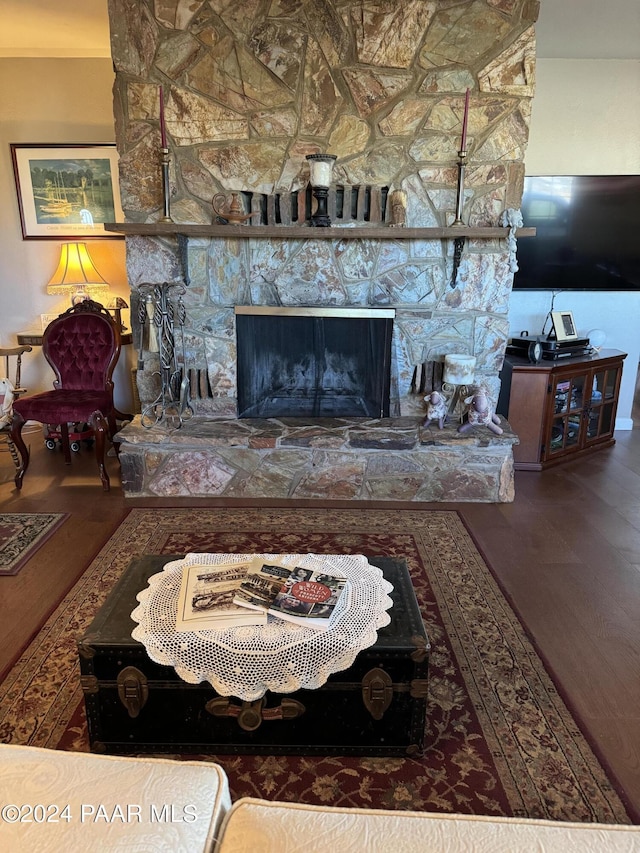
206, 598
304, 596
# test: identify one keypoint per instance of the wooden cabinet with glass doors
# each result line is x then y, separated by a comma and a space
560, 409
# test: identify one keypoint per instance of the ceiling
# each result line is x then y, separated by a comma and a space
567, 29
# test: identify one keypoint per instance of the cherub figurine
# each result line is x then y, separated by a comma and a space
480, 413
437, 405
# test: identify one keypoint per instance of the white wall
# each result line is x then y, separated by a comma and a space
51, 101
586, 121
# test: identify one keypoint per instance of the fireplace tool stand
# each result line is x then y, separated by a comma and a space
158, 309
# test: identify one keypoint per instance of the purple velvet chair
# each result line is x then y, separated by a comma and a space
82, 346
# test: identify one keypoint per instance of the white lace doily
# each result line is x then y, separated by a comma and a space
281, 656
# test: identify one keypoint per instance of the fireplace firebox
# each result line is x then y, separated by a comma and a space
313, 362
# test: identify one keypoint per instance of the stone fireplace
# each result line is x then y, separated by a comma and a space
252, 87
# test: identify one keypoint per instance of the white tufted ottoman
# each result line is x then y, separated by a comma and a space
70, 801
272, 827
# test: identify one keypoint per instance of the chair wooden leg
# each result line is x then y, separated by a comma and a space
13, 452
114, 420
113, 425
64, 441
100, 431
16, 438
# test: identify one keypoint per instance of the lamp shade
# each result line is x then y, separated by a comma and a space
76, 272
459, 369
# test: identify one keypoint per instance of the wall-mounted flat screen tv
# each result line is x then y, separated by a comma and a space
588, 233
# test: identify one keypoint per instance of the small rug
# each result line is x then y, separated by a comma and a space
500, 740
21, 534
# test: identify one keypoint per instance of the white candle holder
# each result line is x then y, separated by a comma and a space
321, 170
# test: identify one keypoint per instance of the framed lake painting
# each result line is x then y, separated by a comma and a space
66, 191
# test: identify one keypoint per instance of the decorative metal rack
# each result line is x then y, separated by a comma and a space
172, 405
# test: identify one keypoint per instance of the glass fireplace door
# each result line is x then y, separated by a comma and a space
313, 362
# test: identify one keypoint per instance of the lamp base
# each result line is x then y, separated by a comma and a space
79, 296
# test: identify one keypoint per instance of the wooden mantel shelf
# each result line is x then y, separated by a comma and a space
305, 232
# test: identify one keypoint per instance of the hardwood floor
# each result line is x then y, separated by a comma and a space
566, 551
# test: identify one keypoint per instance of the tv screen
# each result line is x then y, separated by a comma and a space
588, 233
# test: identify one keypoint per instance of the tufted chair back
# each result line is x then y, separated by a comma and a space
82, 347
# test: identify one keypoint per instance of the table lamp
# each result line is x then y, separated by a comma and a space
77, 274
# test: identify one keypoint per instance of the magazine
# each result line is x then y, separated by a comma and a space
309, 597
303, 596
206, 598
261, 584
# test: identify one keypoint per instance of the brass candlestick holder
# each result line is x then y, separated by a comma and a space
462, 162
166, 189
458, 243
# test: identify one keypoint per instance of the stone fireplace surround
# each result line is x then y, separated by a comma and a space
217, 454
250, 89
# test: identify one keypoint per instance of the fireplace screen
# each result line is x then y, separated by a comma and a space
313, 362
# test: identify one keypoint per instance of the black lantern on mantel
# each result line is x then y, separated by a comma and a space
321, 168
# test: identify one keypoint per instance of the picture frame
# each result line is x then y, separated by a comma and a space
66, 191
564, 326
45, 319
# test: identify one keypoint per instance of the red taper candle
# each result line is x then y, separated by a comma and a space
163, 130
465, 119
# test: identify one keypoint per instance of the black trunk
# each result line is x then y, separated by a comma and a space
376, 707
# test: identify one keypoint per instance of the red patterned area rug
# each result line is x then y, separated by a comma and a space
21, 534
500, 740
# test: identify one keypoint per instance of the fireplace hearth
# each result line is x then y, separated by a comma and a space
390, 459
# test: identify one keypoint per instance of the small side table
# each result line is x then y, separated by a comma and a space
34, 338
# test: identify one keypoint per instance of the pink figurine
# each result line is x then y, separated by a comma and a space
436, 408
480, 413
